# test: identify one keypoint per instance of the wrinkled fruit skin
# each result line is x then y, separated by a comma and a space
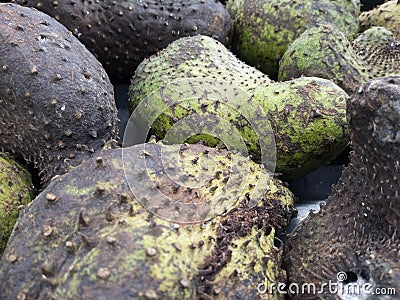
264, 29
357, 231
57, 104
85, 236
324, 51
122, 33
307, 115
385, 15
16, 189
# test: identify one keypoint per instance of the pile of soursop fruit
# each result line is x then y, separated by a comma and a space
189, 198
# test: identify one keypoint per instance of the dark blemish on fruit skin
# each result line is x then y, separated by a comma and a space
45, 117
123, 33
357, 230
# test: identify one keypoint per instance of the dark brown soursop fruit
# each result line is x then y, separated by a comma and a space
122, 33
355, 238
87, 237
57, 104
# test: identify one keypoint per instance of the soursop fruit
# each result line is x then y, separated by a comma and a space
264, 29
324, 51
196, 90
91, 235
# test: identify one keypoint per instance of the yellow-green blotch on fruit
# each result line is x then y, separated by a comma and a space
16, 189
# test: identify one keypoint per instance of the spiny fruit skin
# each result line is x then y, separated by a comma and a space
16, 189
264, 29
122, 33
57, 104
385, 15
307, 115
97, 242
357, 231
325, 52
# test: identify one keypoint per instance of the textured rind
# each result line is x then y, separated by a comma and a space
193, 57
16, 189
122, 33
307, 115
264, 29
357, 230
324, 51
57, 104
385, 15
93, 240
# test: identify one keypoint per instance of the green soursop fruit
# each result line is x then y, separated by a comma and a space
16, 189
325, 52
355, 235
122, 33
57, 103
264, 29
197, 76
385, 15
86, 236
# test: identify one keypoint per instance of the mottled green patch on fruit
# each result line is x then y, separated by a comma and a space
264, 29
309, 115
324, 51
75, 191
385, 15
16, 190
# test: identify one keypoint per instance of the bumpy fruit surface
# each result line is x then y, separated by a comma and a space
264, 29
385, 15
16, 189
325, 52
355, 235
57, 104
199, 76
122, 33
86, 235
